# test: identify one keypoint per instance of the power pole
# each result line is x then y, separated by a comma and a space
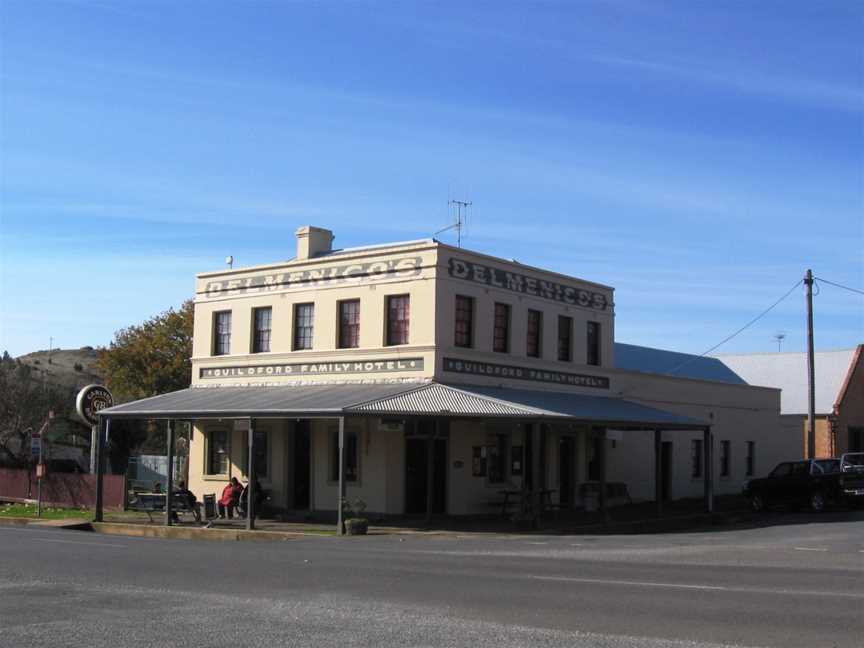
811, 371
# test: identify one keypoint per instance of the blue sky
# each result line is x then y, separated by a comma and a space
697, 156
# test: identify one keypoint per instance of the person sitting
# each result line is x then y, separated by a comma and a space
186, 498
230, 498
157, 487
259, 499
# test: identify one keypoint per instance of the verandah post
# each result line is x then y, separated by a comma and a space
250, 476
601, 459
169, 482
340, 523
658, 471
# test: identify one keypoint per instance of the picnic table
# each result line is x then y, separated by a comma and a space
151, 503
526, 498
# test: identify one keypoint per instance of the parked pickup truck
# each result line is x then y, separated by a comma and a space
815, 483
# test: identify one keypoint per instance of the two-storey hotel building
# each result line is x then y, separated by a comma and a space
450, 376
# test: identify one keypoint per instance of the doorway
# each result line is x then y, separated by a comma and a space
301, 464
666, 470
416, 471
566, 465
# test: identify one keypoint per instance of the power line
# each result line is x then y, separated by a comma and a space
831, 283
740, 330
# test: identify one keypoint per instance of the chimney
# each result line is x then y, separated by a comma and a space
313, 241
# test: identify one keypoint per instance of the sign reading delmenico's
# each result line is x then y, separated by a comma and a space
524, 373
470, 271
315, 277
314, 368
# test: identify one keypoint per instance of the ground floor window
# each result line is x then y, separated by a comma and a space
751, 457
696, 458
351, 458
725, 451
217, 452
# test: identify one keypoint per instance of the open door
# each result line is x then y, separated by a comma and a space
416, 475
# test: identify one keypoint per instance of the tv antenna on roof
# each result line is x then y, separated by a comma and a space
461, 218
780, 336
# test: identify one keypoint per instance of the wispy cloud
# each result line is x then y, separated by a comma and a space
800, 90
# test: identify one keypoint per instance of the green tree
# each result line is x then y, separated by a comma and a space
146, 360
150, 358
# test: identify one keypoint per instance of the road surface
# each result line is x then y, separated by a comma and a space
800, 583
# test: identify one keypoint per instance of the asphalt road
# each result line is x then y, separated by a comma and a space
796, 584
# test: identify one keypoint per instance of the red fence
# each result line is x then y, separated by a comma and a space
61, 489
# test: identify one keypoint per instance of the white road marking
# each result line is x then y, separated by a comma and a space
687, 586
809, 548
94, 544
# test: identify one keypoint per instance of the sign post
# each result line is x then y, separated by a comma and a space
36, 449
91, 400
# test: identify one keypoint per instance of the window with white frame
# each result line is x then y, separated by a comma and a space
217, 452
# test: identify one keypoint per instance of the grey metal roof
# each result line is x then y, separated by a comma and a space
590, 409
788, 372
442, 400
672, 363
400, 399
201, 402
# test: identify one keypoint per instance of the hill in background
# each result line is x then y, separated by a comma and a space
66, 368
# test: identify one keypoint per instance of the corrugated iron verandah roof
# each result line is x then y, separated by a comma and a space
401, 399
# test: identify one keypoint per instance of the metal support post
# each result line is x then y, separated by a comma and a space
658, 471
707, 443
340, 523
811, 371
250, 476
169, 480
601, 446
94, 440
103, 428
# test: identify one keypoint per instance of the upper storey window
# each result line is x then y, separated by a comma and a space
263, 318
565, 338
222, 333
464, 332
501, 330
593, 356
398, 315
304, 317
535, 333
349, 324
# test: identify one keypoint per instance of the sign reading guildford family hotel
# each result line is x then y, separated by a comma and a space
461, 269
524, 373
315, 368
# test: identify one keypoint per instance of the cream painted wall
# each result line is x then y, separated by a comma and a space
485, 297
275, 480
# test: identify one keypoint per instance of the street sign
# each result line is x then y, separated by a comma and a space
36, 447
90, 401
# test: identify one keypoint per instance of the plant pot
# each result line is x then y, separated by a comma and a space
356, 526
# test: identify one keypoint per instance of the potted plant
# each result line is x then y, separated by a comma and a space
352, 516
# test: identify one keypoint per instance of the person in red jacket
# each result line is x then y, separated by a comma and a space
230, 498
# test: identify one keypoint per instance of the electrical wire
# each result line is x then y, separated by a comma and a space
831, 283
740, 330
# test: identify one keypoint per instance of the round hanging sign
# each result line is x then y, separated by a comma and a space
91, 400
